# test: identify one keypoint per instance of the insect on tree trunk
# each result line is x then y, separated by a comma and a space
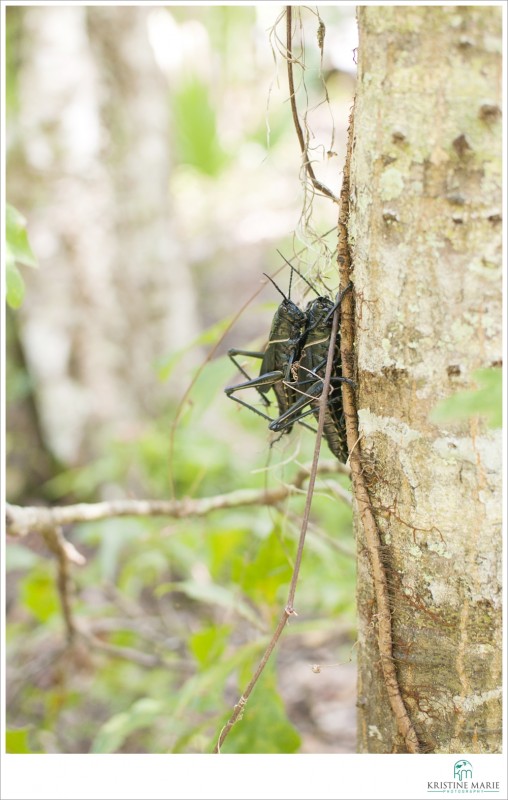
425, 240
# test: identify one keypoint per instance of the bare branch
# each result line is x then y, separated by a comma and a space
65, 554
21, 520
48, 522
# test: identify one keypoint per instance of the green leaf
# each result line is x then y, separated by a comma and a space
18, 246
113, 733
194, 739
486, 401
195, 128
209, 387
16, 741
271, 569
18, 250
15, 284
224, 545
264, 727
39, 595
212, 680
208, 644
211, 593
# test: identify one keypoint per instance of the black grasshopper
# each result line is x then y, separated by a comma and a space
308, 381
282, 352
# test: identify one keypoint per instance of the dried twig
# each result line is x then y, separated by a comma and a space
372, 537
65, 553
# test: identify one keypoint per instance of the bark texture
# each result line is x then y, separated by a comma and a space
425, 237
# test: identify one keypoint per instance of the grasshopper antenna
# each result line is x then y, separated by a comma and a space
278, 289
294, 269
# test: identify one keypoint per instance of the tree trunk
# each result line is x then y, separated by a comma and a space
425, 237
114, 293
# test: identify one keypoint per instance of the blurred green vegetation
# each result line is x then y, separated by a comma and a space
485, 401
18, 251
201, 595
196, 129
197, 597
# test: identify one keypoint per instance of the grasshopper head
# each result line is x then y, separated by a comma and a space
291, 312
318, 312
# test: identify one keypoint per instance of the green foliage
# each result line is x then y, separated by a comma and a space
195, 127
112, 538
114, 732
218, 583
211, 594
485, 401
18, 557
202, 595
209, 336
38, 593
198, 596
15, 285
206, 592
18, 251
264, 727
208, 644
16, 741
269, 572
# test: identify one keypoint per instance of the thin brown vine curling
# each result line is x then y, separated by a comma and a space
302, 140
361, 493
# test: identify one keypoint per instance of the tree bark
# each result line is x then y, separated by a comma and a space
425, 240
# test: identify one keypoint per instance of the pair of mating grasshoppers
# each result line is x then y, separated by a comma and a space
293, 365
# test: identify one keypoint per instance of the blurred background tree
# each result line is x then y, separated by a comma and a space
152, 152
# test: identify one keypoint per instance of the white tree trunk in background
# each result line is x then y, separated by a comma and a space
113, 292
426, 249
